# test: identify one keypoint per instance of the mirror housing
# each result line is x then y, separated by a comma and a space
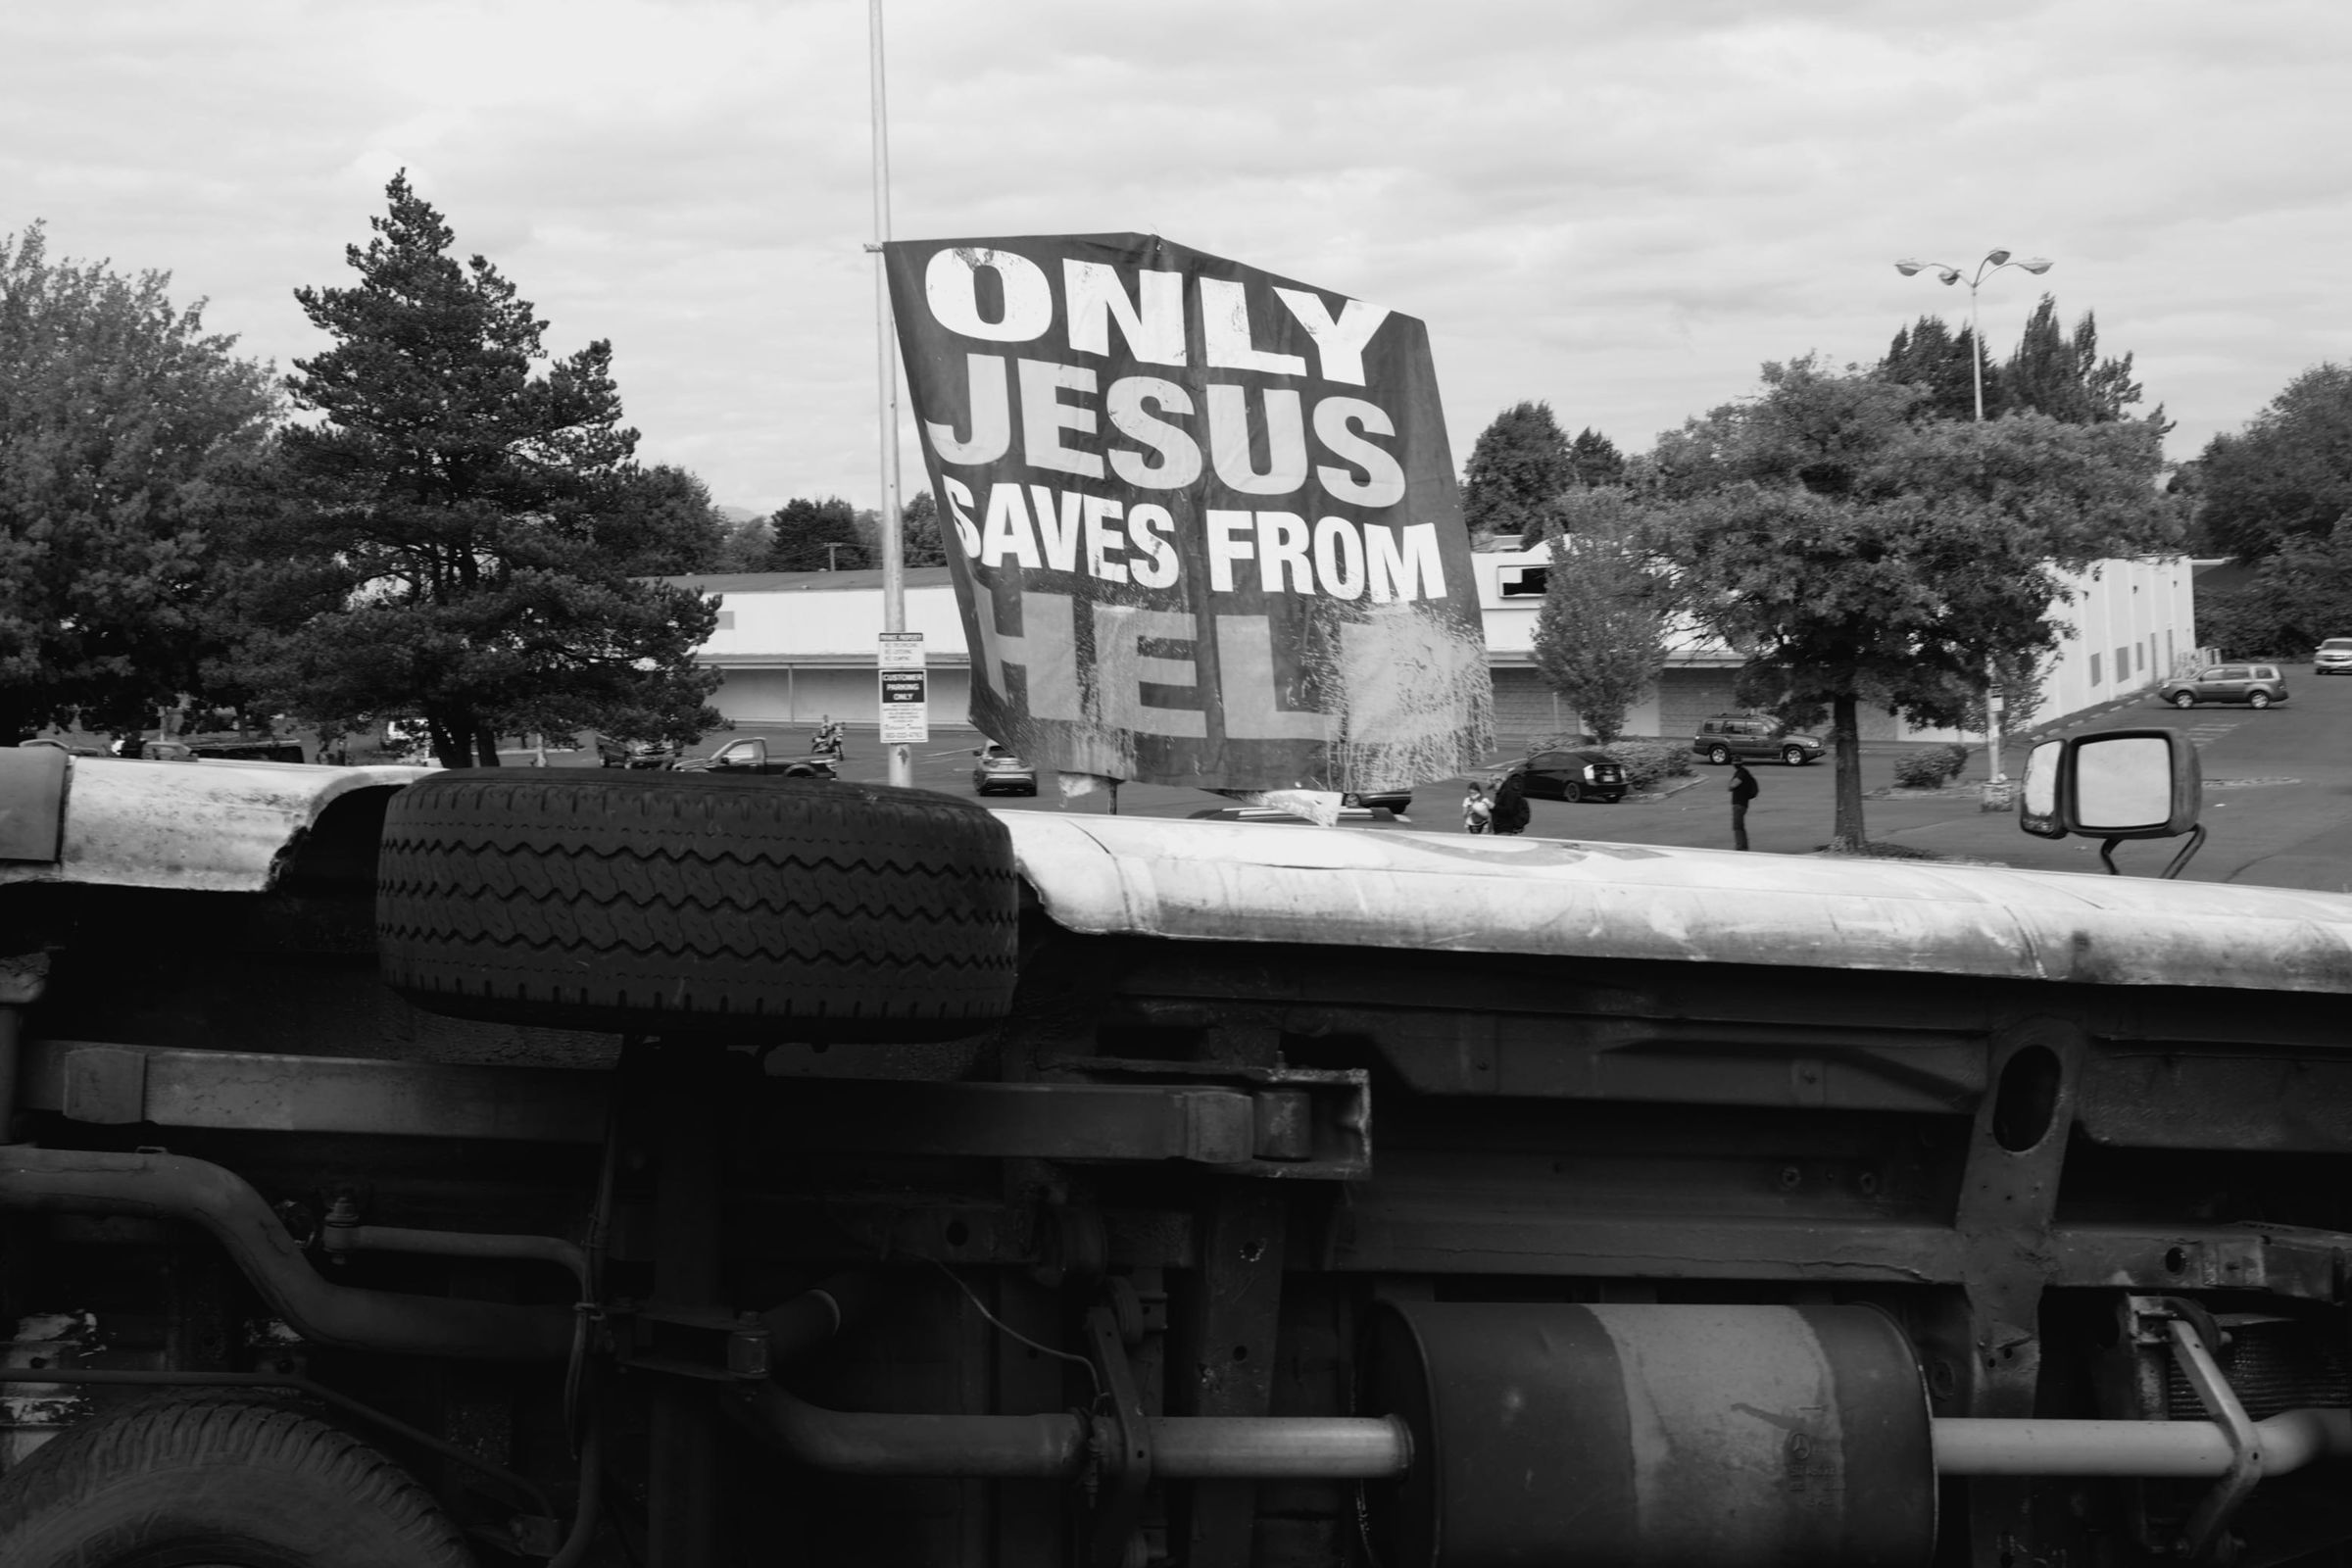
2113, 784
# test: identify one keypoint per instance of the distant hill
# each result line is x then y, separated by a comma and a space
740, 513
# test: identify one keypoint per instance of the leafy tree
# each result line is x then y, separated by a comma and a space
2301, 595
1855, 555
919, 536
660, 523
1593, 459
2288, 475
1519, 464
743, 545
443, 542
1600, 637
801, 529
118, 416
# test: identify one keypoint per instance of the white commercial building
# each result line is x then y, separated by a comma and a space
795, 646
2127, 624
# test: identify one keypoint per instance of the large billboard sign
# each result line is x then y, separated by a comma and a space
1202, 520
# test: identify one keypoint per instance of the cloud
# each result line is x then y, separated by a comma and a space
1623, 209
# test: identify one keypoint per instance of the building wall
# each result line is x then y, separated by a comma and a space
2122, 629
793, 646
805, 694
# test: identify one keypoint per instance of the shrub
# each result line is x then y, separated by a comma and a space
1649, 763
1930, 766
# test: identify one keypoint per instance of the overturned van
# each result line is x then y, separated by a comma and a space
605, 1167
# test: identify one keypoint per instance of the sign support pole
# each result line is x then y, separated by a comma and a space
889, 525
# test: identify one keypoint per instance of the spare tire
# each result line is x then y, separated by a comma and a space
688, 902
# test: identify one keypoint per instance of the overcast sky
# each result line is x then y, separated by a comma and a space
1623, 209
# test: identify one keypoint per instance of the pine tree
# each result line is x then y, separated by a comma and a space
443, 546
1929, 354
800, 530
1520, 465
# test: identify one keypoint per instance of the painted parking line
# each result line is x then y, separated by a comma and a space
2205, 734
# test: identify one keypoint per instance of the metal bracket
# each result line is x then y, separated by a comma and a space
1307, 1122
1122, 1448
2206, 1537
712, 1346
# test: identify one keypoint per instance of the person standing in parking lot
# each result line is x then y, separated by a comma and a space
1744, 790
1478, 812
1510, 805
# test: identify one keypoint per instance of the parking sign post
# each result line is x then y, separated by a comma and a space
906, 706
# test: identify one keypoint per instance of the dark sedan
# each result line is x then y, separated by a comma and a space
1572, 776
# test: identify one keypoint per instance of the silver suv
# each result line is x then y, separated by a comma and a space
2334, 658
1745, 737
2255, 685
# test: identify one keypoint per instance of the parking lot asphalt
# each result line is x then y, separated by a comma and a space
2277, 797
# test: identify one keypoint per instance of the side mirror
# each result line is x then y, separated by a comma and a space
2114, 785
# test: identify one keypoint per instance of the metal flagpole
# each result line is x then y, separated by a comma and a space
894, 553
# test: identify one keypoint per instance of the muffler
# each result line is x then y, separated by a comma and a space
1632, 1436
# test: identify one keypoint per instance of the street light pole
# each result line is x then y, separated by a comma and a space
1993, 262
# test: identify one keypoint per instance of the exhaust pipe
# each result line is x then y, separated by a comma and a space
2152, 1450
1058, 1447
1041, 1447
171, 1187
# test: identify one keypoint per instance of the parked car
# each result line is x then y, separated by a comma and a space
1349, 815
1751, 737
2255, 685
999, 772
753, 757
1572, 776
611, 753
2334, 658
1398, 801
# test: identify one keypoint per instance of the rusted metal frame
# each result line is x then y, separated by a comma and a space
956, 1227
711, 1344
1669, 1062
1373, 1232
110, 1085
1222, 1357
1312, 1122
1268, 1130
2008, 1197
1303, 1124
2206, 1096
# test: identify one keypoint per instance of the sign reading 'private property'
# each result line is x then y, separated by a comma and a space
1202, 520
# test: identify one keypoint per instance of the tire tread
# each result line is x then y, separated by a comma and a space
854, 910
75, 1470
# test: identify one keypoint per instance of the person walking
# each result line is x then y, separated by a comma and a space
1510, 805
1478, 812
1744, 790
